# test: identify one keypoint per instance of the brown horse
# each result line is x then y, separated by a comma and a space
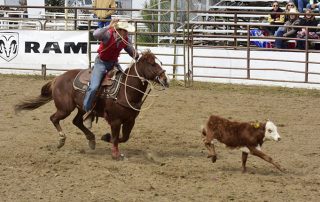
119, 112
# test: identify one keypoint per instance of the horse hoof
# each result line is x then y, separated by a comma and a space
106, 137
61, 143
214, 159
92, 144
119, 157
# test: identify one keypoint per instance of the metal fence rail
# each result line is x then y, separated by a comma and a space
190, 36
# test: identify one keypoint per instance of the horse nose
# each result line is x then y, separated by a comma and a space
166, 83
279, 138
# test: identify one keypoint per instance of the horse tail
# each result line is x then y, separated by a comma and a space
36, 102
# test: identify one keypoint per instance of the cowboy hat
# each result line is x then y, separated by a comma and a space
125, 25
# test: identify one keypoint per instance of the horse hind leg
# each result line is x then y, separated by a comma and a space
55, 119
78, 121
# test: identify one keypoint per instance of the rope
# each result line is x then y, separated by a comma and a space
142, 79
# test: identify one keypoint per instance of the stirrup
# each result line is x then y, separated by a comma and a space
87, 114
88, 122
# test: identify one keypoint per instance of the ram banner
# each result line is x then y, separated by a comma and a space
31, 49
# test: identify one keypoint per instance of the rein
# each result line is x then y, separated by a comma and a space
142, 79
146, 94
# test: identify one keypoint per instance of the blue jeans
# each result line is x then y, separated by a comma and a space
279, 43
301, 4
104, 24
98, 72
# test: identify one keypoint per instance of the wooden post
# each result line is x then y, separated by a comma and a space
44, 71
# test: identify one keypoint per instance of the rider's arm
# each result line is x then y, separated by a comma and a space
131, 51
102, 34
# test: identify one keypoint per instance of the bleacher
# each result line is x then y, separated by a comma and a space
229, 19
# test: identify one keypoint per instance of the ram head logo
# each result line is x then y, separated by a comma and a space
9, 45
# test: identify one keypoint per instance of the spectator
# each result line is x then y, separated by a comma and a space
314, 4
290, 5
275, 18
104, 15
308, 20
288, 31
301, 4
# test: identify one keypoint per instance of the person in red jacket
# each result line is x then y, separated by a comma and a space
113, 39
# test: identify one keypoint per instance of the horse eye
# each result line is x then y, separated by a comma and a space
269, 130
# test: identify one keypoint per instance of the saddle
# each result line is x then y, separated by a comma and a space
109, 86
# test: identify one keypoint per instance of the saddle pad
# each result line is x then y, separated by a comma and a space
109, 89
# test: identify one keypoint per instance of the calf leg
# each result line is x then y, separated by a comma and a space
244, 161
265, 157
207, 140
211, 150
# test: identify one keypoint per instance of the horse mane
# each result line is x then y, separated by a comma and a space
147, 56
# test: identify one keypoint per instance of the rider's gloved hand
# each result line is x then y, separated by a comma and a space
113, 22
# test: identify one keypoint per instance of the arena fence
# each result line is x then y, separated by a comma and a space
190, 41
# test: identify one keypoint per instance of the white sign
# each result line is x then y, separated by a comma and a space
35, 12
55, 49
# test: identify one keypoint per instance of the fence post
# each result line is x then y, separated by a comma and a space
89, 44
189, 73
75, 17
306, 77
44, 71
248, 52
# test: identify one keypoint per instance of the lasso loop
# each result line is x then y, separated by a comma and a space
142, 79
135, 68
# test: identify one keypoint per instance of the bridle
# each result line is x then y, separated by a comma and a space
157, 78
144, 81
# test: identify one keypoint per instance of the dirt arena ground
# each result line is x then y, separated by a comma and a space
165, 158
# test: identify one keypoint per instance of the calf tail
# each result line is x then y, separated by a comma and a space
36, 102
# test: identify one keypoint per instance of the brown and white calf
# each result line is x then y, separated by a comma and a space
249, 137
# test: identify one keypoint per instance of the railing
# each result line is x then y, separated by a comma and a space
195, 35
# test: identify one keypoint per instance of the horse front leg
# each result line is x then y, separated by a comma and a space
115, 130
126, 131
